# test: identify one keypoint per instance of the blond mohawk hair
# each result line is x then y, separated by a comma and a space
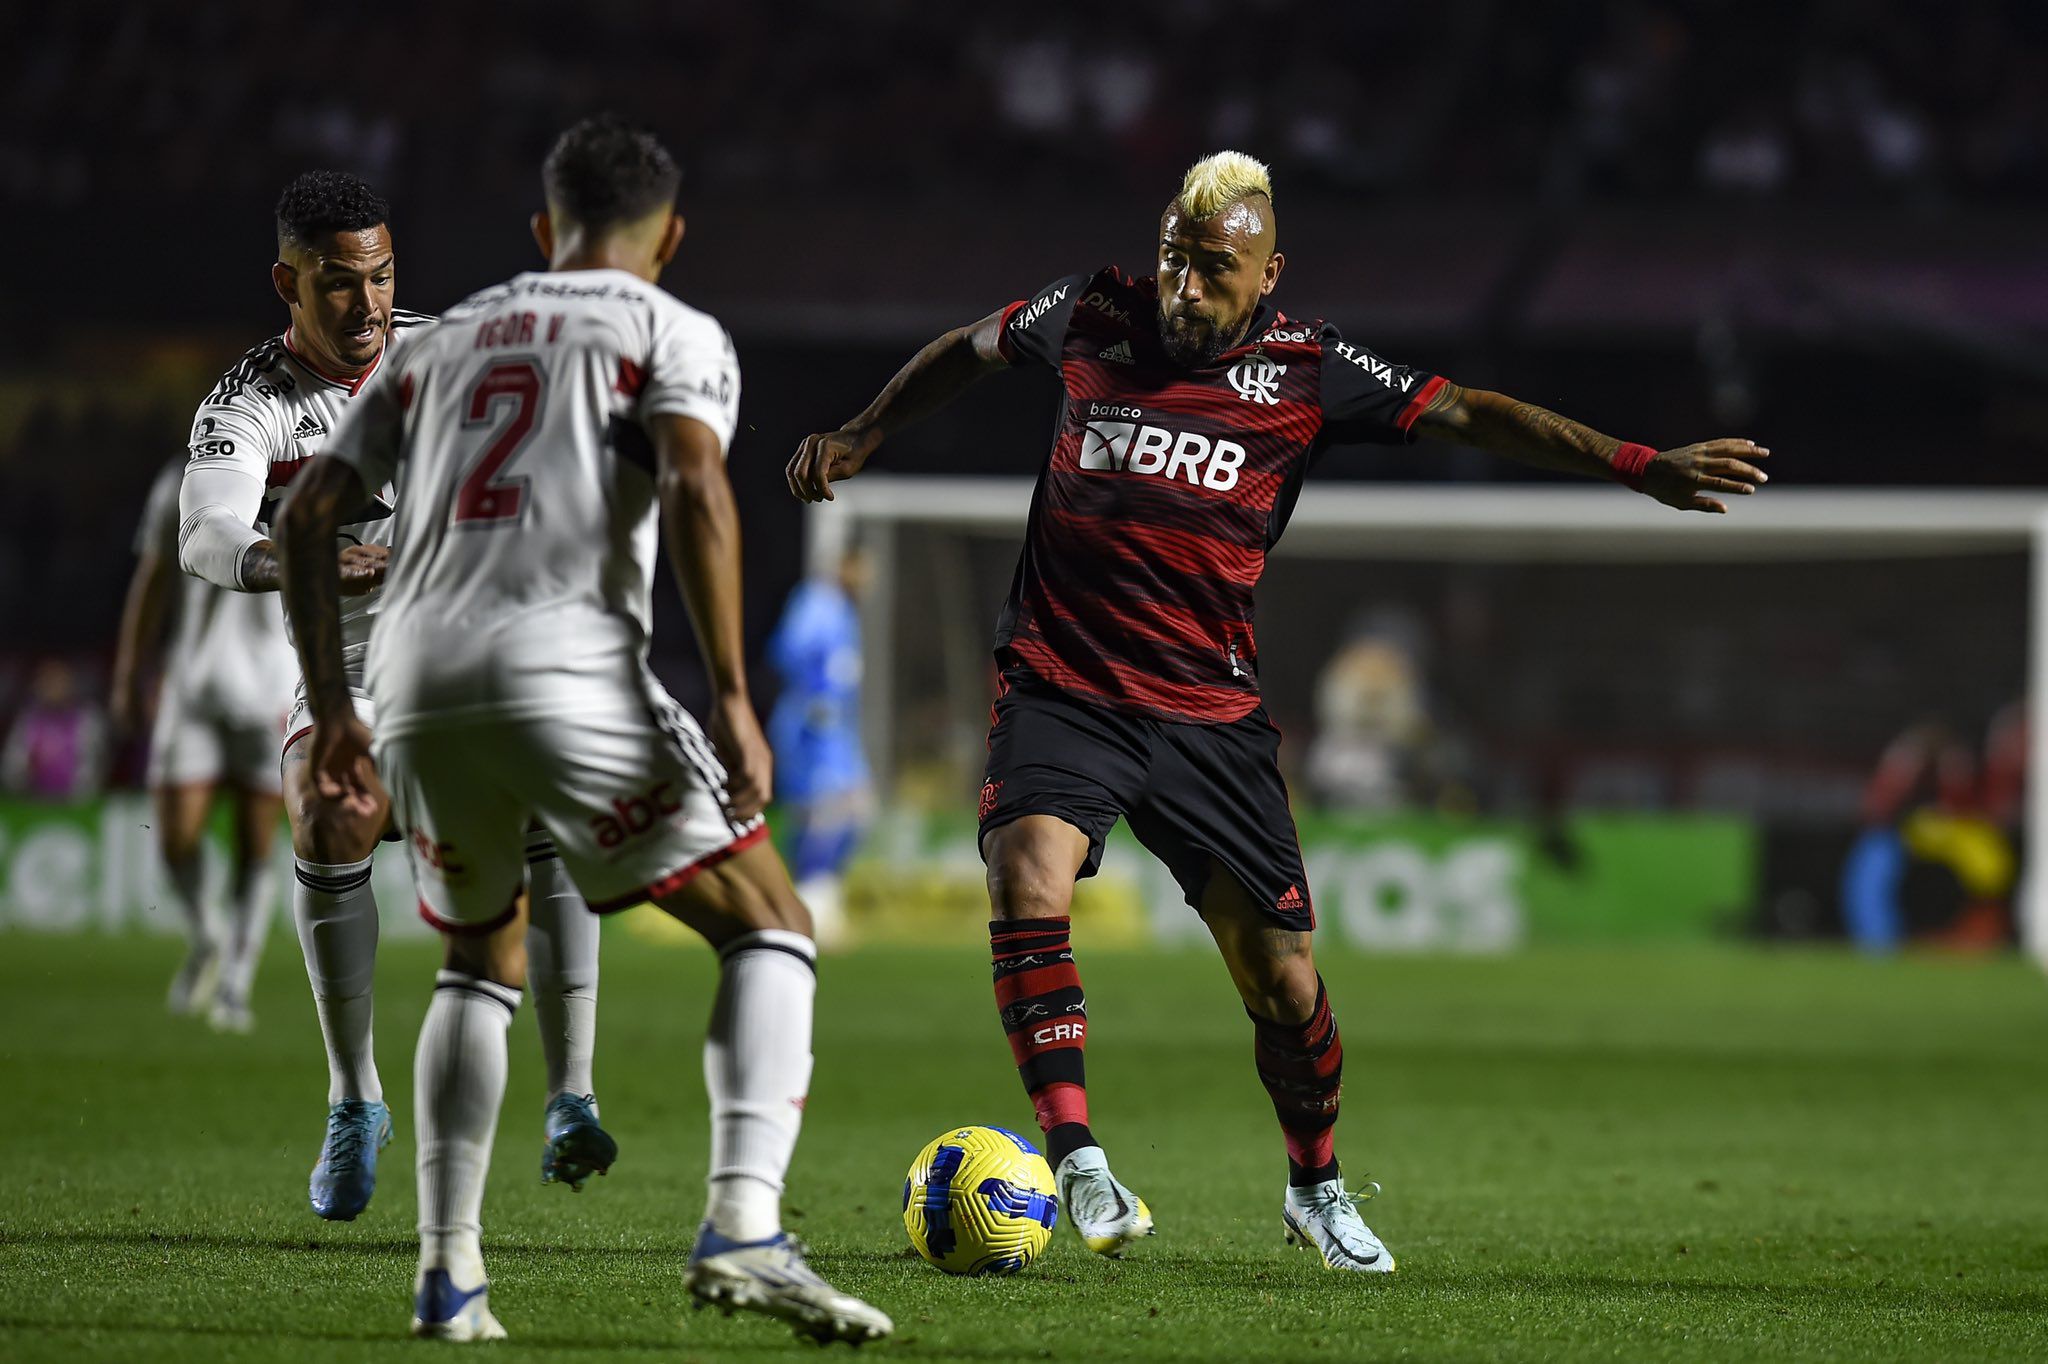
1219, 180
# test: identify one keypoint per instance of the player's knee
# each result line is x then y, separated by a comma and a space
499, 956
750, 907
1282, 1002
1277, 977
745, 895
179, 847
323, 831
794, 916
1024, 886
773, 905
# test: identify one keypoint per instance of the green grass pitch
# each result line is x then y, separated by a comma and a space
1694, 1155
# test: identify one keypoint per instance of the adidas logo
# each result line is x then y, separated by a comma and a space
309, 425
1120, 352
1291, 900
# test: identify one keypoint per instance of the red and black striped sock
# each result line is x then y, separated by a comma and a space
1302, 1067
1038, 991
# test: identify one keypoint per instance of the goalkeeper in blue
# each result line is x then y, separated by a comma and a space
821, 772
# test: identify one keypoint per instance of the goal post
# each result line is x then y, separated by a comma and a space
940, 549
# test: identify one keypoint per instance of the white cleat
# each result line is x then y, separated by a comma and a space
230, 1015
192, 989
1108, 1216
1324, 1218
441, 1311
772, 1277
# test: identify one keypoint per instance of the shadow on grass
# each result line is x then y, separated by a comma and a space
1228, 1275
196, 1240
1879, 1294
775, 1338
515, 1249
319, 1245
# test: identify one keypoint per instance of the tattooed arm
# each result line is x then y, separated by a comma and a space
928, 381
1682, 477
320, 496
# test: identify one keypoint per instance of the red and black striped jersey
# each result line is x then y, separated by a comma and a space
1165, 488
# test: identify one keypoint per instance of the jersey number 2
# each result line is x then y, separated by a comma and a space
484, 496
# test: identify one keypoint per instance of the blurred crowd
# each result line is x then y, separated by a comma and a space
1835, 99
200, 111
77, 474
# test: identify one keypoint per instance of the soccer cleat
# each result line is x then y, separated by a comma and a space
192, 988
576, 1146
230, 1014
1108, 1216
346, 1175
1324, 1218
771, 1277
441, 1311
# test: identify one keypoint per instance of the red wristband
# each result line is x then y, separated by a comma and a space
1629, 462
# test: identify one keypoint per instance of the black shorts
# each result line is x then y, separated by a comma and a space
1193, 794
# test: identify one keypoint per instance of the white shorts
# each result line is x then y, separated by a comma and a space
632, 798
299, 723
194, 743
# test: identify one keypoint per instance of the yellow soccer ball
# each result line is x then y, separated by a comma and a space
980, 1200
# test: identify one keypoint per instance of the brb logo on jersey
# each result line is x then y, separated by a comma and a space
1257, 379
1139, 448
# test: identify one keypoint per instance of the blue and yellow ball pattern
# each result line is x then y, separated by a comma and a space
980, 1200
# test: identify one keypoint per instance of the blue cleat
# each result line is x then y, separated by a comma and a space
346, 1176
441, 1311
576, 1146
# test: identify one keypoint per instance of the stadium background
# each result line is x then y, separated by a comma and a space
1630, 1093
1640, 215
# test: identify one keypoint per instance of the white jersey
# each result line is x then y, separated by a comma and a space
270, 414
227, 656
523, 561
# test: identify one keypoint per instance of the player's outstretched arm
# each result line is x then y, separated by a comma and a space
1686, 477
701, 525
934, 377
312, 597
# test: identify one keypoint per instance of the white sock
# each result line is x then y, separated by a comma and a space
187, 882
458, 1087
337, 917
757, 1070
247, 931
561, 970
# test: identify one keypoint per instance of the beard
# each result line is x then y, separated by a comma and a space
1190, 343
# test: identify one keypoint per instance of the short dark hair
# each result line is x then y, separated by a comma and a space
605, 171
322, 201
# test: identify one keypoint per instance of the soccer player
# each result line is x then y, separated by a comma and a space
815, 732
251, 437
538, 432
1192, 411
227, 677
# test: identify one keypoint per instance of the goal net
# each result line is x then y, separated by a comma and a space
1538, 714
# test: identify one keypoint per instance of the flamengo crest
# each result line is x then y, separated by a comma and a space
1257, 379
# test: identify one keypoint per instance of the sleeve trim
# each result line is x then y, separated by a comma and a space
1003, 347
1421, 399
